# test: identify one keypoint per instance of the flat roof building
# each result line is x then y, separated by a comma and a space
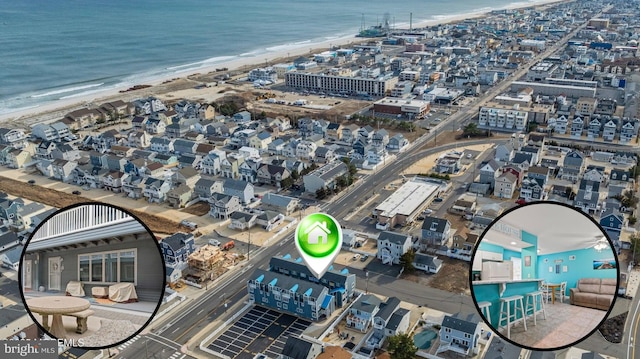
405, 203
554, 90
340, 84
414, 109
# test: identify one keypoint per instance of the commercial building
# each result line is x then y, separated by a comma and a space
413, 109
541, 71
544, 89
405, 203
339, 84
443, 95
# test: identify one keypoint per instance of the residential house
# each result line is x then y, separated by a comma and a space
186, 176
613, 222
230, 165
382, 317
391, 246
222, 205
242, 117
113, 181
324, 155
325, 176
272, 175
139, 139
380, 138
460, 335
248, 169
203, 149
138, 123
17, 158
242, 220
155, 189
588, 197
488, 172
161, 145
366, 133
334, 132
573, 160
301, 348
13, 137
115, 163
594, 173
261, 141
121, 151
9, 209
179, 196
350, 133
577, 126
191, 161
243, 190
280, 203
397, 143
514, 170
11, 258
505, 185
211, 163
205, 187
181, 146
276, 147
532, 189
362, 312
449, 163
618, 175
166, 160
504, 152
8, 240
539, 172
156, 125
628, 158
176, 249
306, 150
62, 170
427, 263
523, 160
269, 220
435, 232
628, 131
176, 130
133, 186
290, 295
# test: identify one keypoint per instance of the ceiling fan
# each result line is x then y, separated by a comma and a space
599, 241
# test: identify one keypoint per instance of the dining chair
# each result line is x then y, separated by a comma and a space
545, 291
563, 291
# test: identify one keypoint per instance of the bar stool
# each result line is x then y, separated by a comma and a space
506, 315
484, 307
534, 301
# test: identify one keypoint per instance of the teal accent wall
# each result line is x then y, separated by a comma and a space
490, 247
581, 267
491, 293
508, 254
530, 272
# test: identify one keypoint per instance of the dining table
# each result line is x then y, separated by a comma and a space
56, 306
552, 288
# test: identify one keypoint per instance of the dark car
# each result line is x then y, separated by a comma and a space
437, 199
76, 192
364, 258
31, 181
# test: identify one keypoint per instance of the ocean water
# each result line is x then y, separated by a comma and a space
53, 50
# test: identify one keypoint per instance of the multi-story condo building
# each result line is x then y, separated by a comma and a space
340, 84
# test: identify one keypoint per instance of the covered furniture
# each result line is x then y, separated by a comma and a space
593, 293
100, 292
123, 293
75, 289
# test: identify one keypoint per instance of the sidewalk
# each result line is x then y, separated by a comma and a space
633, 282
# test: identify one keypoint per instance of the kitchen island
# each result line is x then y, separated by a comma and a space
492, 290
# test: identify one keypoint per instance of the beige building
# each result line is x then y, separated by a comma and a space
340, 84
586, 105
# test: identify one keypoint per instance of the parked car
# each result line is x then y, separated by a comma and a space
356, 257
364, 258
77, 193
189, 224
438, 199
31, 182
521, 201
214, 242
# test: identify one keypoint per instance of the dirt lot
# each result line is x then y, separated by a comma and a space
452, 277
59, 199
198, 209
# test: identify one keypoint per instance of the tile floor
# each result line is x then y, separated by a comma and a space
565, 324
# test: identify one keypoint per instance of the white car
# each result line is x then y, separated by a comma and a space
214, 242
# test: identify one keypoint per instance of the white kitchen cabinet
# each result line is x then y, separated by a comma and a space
491, 256
477, 261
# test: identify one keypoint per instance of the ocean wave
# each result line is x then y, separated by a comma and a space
65, 90
481, 10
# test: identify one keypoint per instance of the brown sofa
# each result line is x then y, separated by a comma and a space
593, 293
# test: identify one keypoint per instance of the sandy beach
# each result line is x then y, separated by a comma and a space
184, 82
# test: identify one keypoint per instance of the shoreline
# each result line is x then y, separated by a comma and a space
57, 109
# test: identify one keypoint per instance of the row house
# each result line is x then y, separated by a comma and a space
334, 132
155, 189
14, 157
89, 176
237, 188
187, 176
366, 134
118, 107
121, 151
324, 155
276, 147
272, 175
223, 205
138, 123
305, 150
83, 118
13, 137
532, 189
350, 133
148, 106
179, 196
176, 130
182, 146
50, 132
380, 138
260, 141
155, 126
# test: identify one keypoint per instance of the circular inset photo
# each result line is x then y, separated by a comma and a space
93, 275
544, 275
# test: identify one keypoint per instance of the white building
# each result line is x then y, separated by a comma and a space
503, 117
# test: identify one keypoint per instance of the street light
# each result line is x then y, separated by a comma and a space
366, 274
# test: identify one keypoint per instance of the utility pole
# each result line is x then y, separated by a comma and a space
249, 244
366, 274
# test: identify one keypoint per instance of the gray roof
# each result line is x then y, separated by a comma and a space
242, 216
542, 355
7, 238
286, 283
14, 255
501, 349
396, 318
467, 325
595, 186
205, 182
427, 260
292, 265
367, 303
277, 200
393, 237
441, 224
268, 215
11, 314
297, 348
522, 157
177, 240
387, 308
235, 184
591, 355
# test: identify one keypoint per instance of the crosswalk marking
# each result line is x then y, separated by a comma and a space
175, 355
128, 342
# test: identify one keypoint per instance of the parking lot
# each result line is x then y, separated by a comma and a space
260, 330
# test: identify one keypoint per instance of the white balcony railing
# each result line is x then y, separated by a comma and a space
79, 219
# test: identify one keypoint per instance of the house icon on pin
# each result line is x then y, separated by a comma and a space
317, 233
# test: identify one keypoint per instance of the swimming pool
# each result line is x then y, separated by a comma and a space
423, 339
